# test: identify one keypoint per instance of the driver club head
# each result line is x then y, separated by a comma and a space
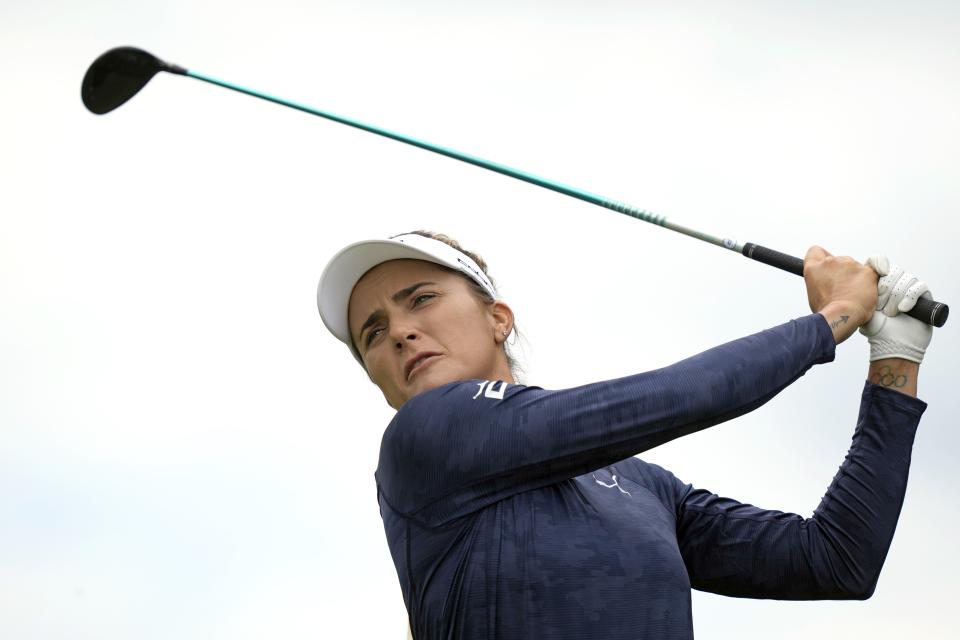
117, 75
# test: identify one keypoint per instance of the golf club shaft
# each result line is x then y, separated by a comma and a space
926, 310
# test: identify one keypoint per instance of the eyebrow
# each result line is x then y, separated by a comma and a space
397, 298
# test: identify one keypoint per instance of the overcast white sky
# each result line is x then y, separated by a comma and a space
186, 453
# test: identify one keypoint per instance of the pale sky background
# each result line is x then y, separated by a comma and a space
186, 453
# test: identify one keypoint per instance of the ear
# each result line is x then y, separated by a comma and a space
502, 317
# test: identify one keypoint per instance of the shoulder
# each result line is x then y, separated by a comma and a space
431, 419
455, 398
436, 434
659, 481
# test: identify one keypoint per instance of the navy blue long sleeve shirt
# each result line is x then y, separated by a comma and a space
517, 512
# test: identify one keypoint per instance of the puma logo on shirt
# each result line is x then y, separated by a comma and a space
610, 486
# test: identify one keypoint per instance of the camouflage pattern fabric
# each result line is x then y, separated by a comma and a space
516, 512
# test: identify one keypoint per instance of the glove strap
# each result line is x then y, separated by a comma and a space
881, 348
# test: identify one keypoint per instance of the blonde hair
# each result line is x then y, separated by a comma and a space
478, 290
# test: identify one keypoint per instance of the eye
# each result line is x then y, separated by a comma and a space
420, 299
372, 334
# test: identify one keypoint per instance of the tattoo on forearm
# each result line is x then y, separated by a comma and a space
837, 323
887, 378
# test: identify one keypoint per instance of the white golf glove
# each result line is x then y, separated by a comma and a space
892, 333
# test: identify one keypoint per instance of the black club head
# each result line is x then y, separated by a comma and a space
117, 75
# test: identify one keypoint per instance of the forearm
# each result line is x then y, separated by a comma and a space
858, 515
895, 373
740, 550
576, 430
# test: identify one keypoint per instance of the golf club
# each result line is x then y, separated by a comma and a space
117, 75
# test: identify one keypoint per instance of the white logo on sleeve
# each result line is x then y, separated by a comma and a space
488, 390
612, 485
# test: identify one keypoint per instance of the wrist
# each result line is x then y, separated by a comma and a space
895, 373
843, 317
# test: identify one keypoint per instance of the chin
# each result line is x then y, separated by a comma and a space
435, 376
426, 383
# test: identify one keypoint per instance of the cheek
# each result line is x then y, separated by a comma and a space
469, 332
378, 371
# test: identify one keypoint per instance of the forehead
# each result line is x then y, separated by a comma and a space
386, 279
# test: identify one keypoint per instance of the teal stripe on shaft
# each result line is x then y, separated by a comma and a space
586, 196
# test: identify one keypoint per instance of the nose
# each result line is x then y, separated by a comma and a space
409, 338
402, 332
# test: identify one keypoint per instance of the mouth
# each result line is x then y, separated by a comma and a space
418, 363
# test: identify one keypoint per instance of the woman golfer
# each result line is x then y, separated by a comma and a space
516, 512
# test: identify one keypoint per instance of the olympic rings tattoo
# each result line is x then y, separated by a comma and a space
887, 378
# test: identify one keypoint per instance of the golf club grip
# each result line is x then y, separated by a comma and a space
926, 310
773, 258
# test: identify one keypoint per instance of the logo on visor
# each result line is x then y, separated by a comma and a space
478, 274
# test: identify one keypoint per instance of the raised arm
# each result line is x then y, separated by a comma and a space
465, 445
740, 550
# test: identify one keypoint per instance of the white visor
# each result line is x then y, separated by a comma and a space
350, 264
